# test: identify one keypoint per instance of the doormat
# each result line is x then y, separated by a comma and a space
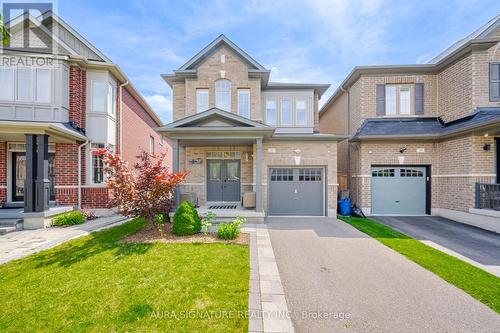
230, 206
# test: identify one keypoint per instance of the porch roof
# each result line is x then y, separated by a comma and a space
483, 120
59, 132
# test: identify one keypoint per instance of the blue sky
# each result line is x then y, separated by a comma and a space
315, 41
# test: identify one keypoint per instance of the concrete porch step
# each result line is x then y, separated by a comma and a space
10, 225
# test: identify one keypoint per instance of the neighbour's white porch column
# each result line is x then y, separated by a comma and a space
259, 207
175, 167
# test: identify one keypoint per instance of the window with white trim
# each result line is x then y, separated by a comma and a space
286, 112
223, 95
24, 84
202, 100
151, 145
98, 96
111, 99
43, 85
398, 99
300, 112
271, 112
7, 84
97, 163
244, 102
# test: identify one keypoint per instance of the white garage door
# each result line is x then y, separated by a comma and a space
399, 190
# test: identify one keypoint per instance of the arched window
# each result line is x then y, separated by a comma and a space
223, 95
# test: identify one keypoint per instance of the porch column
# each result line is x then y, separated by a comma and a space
29, 190
175, 167
42, 183
259, 207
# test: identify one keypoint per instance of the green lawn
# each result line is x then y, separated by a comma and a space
481, 285
95, 284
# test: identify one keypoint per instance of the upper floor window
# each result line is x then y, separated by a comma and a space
111, 99
271, 112
7, 83
286, 112
398, 100
201, 100
98, 96
24, 84
244, 102
300, 112
223, 95
43, 85
495, 82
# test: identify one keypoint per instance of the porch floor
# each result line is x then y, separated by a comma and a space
227, 214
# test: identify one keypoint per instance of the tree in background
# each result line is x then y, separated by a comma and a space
4, 33
145, 190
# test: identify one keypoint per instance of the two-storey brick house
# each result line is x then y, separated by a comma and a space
61, 99
423, 138
241, 136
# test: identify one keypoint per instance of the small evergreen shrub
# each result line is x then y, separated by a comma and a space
70, 218
231, 230
186, 220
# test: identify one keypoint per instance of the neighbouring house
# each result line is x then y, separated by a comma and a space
245, 139
60, 101
424, 139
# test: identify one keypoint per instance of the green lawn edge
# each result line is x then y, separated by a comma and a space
62, 288
481, 285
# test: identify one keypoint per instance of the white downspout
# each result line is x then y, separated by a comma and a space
80, 172
121, 116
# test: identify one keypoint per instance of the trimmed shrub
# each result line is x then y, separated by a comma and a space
70, 218
231, 230
186, 220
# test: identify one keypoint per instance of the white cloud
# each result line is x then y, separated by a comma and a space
162, 106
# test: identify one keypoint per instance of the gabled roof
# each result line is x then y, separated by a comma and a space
479, 39
427, 128
219, 117
212, 47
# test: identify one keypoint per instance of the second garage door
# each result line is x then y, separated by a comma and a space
399, 190
296, 192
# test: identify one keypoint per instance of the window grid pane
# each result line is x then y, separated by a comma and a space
282, 175
7, 84
201, 100
310, 175
271, 112
300, 107
98, 100
244, 103
405, 100
43, 85
390, 100
111, 99
223, 95
383, 173
286, 113
24, 84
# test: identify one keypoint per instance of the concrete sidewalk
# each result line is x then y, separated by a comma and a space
19, 244
336, 278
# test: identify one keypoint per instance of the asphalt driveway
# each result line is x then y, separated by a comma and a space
479, 245
338, 279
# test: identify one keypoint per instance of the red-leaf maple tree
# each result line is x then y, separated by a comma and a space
144, 190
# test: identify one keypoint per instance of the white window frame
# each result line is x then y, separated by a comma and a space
92, 99
206, 94
12, 82
47, 86
241, 92
151, 144
111, 99
223, 95
290, 111
96, 146
304, 110
274, 121
396, 104
31, 85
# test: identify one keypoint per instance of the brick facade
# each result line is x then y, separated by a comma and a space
77, 96
66, 165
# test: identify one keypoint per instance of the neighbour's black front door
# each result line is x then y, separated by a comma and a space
497, 158
19, 176
223, 180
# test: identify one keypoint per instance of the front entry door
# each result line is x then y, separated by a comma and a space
19, 176
223, 180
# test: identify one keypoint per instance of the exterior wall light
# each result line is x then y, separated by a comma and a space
196, 161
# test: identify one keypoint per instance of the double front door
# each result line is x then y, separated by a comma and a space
223, 180
19, 175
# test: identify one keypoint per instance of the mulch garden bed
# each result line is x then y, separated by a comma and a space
150, 234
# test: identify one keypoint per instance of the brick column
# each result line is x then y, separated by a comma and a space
77, 96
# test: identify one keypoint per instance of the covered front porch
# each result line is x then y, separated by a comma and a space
29, 154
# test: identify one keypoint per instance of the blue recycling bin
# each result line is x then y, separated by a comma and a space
345, 207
